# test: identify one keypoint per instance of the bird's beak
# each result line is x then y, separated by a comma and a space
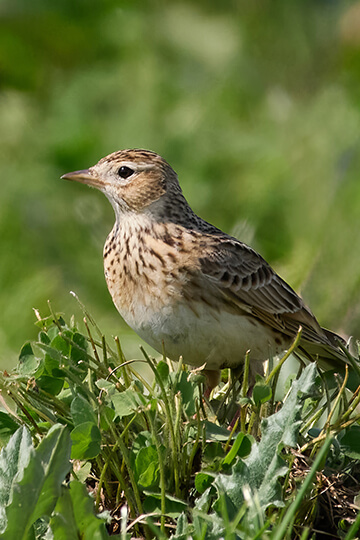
85, 176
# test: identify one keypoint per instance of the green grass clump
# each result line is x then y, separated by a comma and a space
92, 449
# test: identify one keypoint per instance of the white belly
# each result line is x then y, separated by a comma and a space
217, 339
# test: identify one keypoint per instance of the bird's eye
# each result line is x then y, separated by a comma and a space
125, 172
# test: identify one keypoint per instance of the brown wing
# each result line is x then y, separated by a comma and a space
246, 280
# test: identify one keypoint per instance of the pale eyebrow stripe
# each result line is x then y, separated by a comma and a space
142, 165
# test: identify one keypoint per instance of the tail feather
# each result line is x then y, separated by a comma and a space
334, 338
331, 356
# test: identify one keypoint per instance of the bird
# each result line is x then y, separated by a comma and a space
189, 288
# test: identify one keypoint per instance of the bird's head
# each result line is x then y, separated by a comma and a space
133, 180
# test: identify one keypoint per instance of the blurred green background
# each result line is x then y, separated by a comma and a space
255, 104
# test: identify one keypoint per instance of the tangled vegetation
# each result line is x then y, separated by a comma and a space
93, 449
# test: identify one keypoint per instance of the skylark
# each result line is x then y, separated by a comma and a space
179, 281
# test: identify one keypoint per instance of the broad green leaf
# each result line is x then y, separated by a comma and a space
35, 487
203, 481
215, 432
126, 402
53, 353
28, 363
86, 439
107, 416
60, 344
8, 426
44, 338
26, 350
107, 386
260, 471
350, 442
52, 366
54, 455
80, 352
261, 394
213, 451
147, 467
173, 506
14, 458
90, 527
62, 523
144, 438
51, 385
74, 517
183, 530
83, 472
82, 411
241, 447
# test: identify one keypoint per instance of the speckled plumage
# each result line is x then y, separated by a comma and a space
178, 280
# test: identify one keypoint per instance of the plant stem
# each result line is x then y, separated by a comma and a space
291, 349
169, 418
161, 470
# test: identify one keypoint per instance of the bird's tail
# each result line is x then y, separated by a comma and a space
335, 355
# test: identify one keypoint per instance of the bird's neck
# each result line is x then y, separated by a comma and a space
168, 210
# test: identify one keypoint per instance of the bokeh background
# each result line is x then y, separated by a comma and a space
255, 104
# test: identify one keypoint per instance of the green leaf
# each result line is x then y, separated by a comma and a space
45, 322
189, 391
215, 432
173, 507
26, 350
44, 338
60, 344
147, 467
86, 439
244, 401
241, 447
163, 370
107, 386
80, 352
106, 417
32, 478
14, 458
52, 366
126, 402
261, 394
213, 451
28, 363
144, 438
184, 531
350, 442
83, 472
54, 455
259, 473
82, 411
50, 351
51, 385
62, 522
90, 527
74, 517
203, 481
8, 426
